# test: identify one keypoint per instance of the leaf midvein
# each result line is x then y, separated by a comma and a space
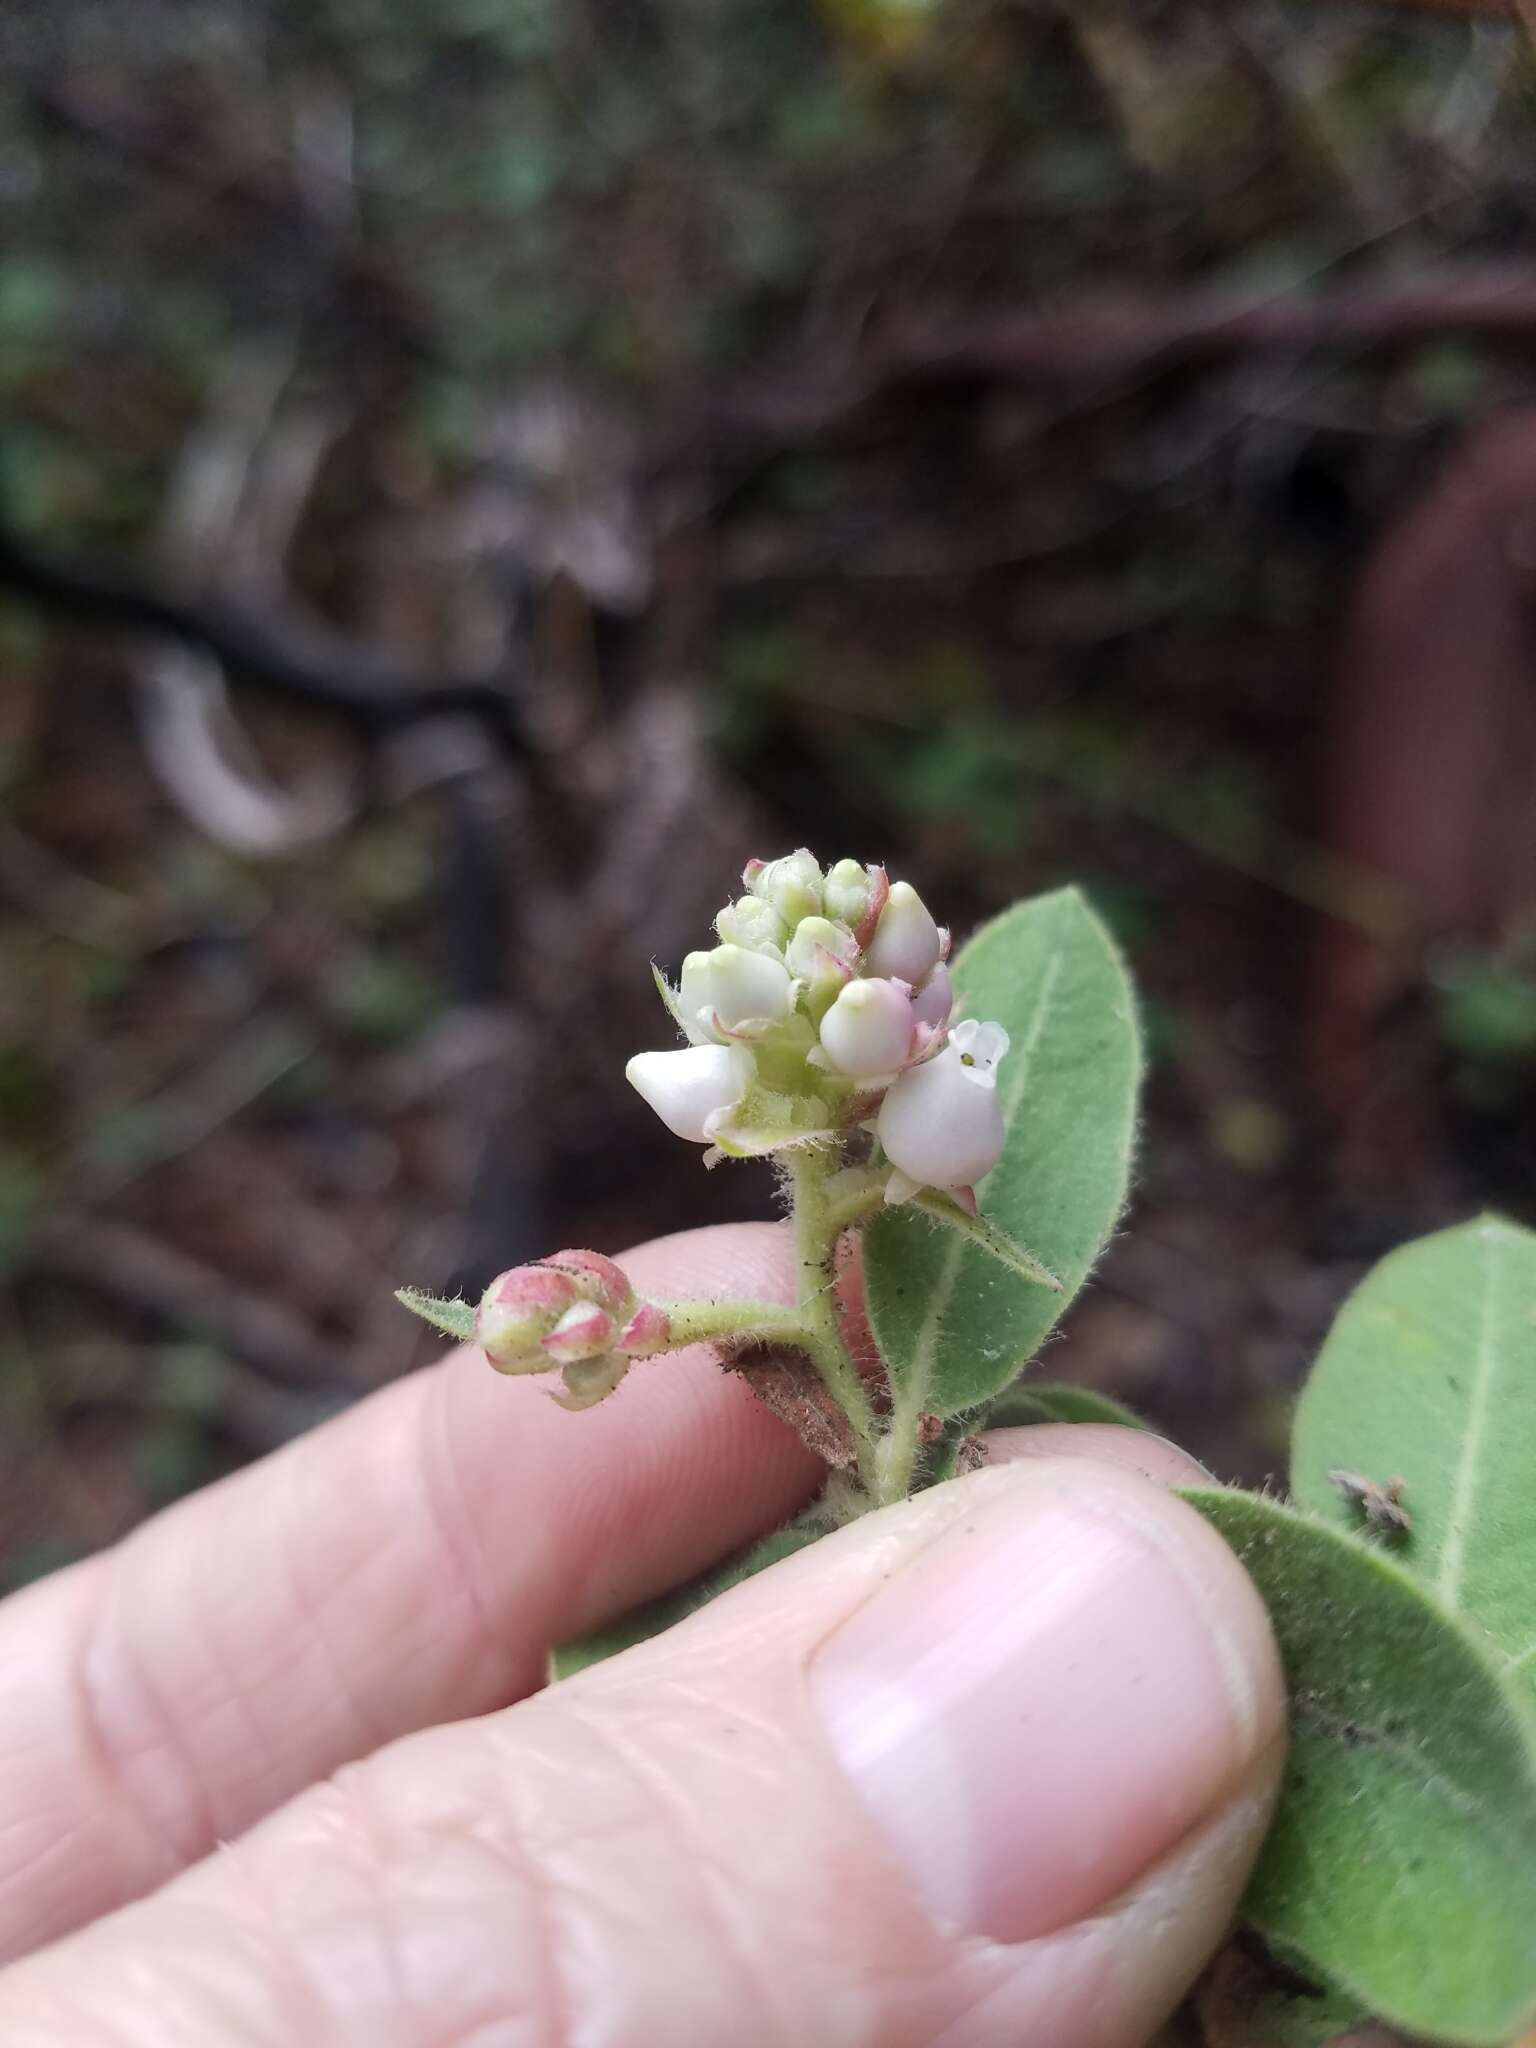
1464, 1486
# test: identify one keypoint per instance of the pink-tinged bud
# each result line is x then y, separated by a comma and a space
596, 1279
935, 999
588, 1381
879, 896
516, 1313
648, 1331
906, 943
847, 892
821, 950
791, 884
538, 1286
868, 1030
585, 1331
941, 1123
856, 895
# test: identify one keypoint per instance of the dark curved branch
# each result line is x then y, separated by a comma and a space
1113, 338
298, 659
1096, 342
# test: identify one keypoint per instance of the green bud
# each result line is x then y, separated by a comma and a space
791, 884
754, 924
847, 892
822, 956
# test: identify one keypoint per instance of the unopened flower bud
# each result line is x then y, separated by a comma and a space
821, 951
868, 1030
517, 1311
648, 1331
687, 1087
791, 884
752, 923
933, 1002
853, 891
596, 1279
941, 1123
846, 892
906, 943
585, 1331
729, 987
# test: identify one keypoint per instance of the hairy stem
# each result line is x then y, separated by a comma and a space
898, 1448
698, 1322
817, 1228
854, 1195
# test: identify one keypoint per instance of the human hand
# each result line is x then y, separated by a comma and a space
985, 1769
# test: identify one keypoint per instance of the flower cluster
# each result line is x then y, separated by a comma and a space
826, 1007
576, 1310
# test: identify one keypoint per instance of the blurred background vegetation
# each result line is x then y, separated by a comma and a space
472, 473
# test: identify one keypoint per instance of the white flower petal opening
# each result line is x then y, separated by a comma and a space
981, 1047
941, 1123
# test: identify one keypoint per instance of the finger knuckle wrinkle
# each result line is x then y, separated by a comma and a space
132, 1746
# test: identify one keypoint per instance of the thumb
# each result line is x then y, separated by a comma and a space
988, 1767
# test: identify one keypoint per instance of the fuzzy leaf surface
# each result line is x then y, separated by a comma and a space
955, 1324
1429, 1374
453, 1318
1401, 1864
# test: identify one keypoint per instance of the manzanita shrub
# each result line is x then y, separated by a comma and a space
972, 1122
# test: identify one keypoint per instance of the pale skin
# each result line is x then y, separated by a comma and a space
276, 1770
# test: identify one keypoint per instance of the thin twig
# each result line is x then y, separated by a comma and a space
301, 660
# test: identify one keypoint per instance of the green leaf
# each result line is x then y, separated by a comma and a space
1429, 1374
1401, 1864
954, 1324
566, 1659
1024, 1405
453, 1318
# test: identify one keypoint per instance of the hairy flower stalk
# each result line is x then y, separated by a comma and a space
819, 1030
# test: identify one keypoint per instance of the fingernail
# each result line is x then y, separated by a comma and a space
1043, 1701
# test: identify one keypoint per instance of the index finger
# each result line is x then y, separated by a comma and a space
406, 1564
